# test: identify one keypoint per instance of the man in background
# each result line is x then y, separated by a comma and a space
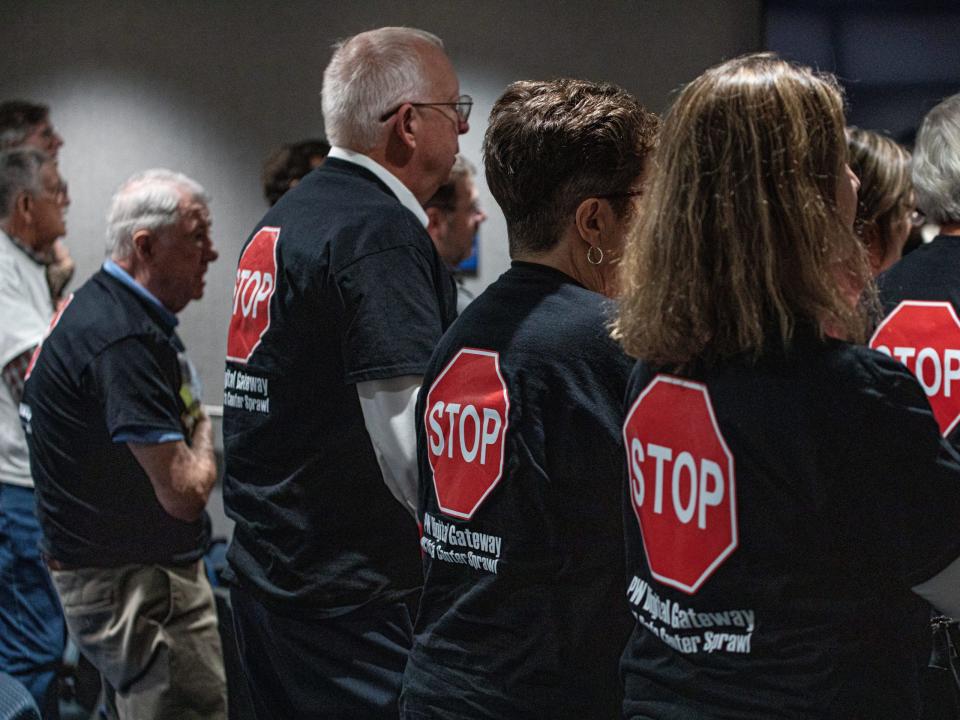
33, 202
339, 302
454, 218
27, 124
122, 457
287, 166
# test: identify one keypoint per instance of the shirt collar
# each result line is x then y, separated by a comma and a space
402, 192
115, 271
32, 254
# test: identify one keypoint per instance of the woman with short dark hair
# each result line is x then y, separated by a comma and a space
522, 613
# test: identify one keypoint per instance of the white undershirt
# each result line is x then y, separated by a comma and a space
388, 405
388, 412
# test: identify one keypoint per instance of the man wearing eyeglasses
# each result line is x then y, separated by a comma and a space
339, 301
33, 201
27, 124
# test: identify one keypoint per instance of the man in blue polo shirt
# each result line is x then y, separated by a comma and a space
339, 301
122, 458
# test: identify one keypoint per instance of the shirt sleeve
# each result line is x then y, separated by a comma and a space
137, 393
906, 501
392, 315
388, 414
22, 325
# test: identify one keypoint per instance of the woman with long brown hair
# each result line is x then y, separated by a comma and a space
885, 207
788, 488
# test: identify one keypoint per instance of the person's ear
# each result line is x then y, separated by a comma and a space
23, 205
405, 125
594, 219
143, 243
436, 223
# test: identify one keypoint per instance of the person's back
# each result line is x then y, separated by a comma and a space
790, 505
523, 604
518, 428
811, 614
293, 430
339, 300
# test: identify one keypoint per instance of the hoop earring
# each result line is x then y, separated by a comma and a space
590, 256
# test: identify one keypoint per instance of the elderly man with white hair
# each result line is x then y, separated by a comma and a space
339, 301
122, 459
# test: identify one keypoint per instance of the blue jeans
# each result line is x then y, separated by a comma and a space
32, 634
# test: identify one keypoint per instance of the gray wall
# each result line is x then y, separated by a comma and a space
210, 88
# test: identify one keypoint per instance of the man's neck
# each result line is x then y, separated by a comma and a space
22, 239
950, 229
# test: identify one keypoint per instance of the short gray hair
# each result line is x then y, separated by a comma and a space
371, 74
936, 162
19, 171
149, 200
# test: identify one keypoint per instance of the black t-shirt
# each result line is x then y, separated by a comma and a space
522, 612
844, 497
926, 336
111, 371
339, 284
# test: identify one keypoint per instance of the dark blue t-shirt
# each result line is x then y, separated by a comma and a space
111, 371
844, 497
522, 613
338, 284
921, 327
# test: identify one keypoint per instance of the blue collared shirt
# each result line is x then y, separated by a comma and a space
111, 268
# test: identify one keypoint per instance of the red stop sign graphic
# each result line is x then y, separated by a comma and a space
466, 423
256, 282
681, 482
925, 336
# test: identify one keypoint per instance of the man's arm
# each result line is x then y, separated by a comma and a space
182, 475
15, 372
388, 412
59, 271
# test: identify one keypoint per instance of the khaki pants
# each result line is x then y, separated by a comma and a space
151, 631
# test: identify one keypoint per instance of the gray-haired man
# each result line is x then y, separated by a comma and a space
339, 302
33, 201
27, 124
122, 458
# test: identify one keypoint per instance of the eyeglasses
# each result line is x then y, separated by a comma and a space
615, 195
59, 193
462, 107
917, 218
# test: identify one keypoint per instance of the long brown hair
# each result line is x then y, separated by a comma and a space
740, 238
883, 167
